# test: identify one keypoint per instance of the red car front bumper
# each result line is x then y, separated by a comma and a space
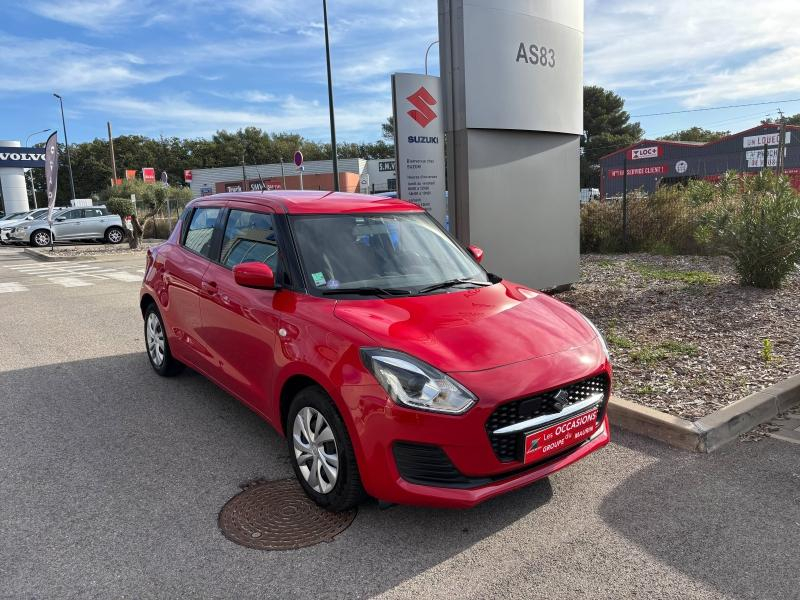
379, 426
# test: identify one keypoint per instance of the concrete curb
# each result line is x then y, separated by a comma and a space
45, 256
712, 431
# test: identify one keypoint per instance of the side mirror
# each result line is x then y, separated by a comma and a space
254, 275
476, 252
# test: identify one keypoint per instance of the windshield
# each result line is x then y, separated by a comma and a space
405, 251
12, 216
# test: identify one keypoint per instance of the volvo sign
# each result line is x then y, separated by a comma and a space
26, 158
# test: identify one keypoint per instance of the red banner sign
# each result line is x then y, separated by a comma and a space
646, 152
130, 173
638, 171
149, 175
554, 439
187, 175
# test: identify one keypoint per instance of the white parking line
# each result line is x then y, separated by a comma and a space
69, 281
12, 286
122, 276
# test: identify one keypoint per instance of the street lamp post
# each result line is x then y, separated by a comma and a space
432, 44
66, 145
330, 99
30, 171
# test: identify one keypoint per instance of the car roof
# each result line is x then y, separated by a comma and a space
317, 202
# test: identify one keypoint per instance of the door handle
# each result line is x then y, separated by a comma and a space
209, 286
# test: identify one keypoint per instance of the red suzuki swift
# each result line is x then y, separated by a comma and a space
393, 363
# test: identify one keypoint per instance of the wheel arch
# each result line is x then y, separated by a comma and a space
145, 301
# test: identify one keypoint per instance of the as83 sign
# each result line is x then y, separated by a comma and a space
534, 54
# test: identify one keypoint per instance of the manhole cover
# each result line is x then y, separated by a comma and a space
277, 515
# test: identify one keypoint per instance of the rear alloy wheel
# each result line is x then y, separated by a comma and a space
114, 235
322, 455
40, 238
157, 344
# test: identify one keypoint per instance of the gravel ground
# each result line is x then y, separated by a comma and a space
685, 338
100, 249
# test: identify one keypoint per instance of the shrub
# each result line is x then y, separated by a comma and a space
757, 224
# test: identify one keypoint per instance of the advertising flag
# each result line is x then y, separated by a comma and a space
149, 174
130, 173
51, 173
187, 175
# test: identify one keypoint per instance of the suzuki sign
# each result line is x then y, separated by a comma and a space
419, 141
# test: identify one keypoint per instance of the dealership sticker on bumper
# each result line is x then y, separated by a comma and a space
554, 439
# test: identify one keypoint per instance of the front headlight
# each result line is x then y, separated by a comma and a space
415, 384
599, 336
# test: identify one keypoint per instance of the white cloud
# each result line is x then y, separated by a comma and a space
69, 66
97, 15
702, 53
178, 115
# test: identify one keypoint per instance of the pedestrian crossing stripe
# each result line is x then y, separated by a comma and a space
12, 286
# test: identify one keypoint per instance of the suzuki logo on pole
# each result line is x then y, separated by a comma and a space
422, 102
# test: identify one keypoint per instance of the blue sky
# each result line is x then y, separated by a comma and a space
190, 67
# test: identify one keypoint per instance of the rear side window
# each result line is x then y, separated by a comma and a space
201, 230
250, 236
93, 212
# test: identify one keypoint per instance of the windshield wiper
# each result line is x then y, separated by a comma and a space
452, 283
367, 291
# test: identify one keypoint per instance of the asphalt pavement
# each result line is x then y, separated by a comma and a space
111, 480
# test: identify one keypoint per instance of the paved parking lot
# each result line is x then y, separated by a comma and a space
111, 480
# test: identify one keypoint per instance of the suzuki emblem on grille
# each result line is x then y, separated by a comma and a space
561, 398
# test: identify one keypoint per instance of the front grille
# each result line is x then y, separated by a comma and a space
506, 446
424, 464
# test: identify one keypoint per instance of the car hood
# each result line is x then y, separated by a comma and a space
13, 223
471, 330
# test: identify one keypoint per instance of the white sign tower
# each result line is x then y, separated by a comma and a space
512, 78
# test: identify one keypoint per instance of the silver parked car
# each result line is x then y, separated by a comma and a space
9, 223
90, 223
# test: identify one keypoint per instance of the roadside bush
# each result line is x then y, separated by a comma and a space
151, 201
757, 224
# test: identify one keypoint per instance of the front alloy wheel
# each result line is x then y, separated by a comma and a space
315, 450
157, 344
41, 238
323, 457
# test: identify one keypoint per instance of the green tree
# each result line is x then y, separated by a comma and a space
695, 134
608, 127
793, 120
387, 129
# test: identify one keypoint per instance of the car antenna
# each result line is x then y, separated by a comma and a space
263, 185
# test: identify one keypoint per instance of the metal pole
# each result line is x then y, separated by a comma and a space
432, 44
30, 171
765, 156
244, 177
625, 202
66, 146
302, 168
283, 175
330, 101
113, 160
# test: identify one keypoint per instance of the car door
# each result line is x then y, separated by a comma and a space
184, 265
93, 223
240, 324
66, 224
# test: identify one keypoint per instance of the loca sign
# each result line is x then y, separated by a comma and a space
21, 157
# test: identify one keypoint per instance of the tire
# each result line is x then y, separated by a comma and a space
114, 235
40, 238
346, 490
158, 353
